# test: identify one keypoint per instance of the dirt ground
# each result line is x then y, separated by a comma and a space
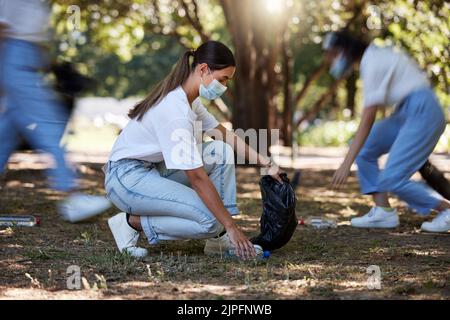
316, 264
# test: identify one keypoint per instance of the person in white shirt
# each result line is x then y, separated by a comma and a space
390, 78
26, 20
165, 180
29, 108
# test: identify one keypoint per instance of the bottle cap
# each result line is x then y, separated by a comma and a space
38, 220
266, 254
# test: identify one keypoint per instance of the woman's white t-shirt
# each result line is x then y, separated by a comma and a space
389, 75
168, 132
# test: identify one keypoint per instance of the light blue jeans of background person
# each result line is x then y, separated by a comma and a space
29, 109
409, 135
168, 207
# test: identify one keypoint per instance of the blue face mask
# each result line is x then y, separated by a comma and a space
213, 91
340, 66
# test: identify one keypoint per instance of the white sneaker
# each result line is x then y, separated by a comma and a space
441, 223
79, 206
223, 246
377, 218
218, 246
125, 236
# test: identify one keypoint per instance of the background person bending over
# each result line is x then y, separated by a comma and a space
409, 135
157, 176
29, 108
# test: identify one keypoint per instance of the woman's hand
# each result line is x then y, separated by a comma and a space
275, 171
272, 170
367, 119
244, 150
340, 176
244, 248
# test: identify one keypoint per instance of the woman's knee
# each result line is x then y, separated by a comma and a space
360, 161
364, 158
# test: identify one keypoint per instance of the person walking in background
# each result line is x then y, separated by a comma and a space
30, 109
409, 135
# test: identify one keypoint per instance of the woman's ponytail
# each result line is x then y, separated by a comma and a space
174, 79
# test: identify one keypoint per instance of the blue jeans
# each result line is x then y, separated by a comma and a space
168, 207
410, 136
30, 110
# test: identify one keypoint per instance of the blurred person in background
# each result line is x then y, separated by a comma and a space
390, 78
30, 108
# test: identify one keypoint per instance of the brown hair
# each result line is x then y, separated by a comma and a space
214, 53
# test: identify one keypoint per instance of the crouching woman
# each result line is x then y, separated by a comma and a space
168, 184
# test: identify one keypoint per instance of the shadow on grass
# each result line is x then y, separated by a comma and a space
318, 264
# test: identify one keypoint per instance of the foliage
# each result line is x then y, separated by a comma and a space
328, 134
128, 46
340, 133
423, 28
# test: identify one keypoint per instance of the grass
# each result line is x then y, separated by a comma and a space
316, 264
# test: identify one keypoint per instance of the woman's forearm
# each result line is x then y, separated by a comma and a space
242, 149
367, 120
358, 142
201, 183
247, 152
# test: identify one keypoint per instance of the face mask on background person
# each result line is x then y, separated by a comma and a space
213, 91
340, 66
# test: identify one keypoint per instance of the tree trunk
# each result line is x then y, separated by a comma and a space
351, 93
258, 42
286, 126
315, 109
334, 108
309, 81
435, 179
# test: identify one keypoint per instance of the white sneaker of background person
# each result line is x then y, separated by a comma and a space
441, 223
377, 217
125, 236
79, 206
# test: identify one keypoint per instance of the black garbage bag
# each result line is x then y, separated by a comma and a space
278, 220
435, 179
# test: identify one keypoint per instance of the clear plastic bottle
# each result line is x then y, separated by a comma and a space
318, 222
260, 253
19, 221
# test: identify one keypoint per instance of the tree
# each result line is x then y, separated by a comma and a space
130, 45
257, 35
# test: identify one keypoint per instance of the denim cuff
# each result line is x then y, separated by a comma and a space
151, 235
369, 190
425, 211
232, 209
